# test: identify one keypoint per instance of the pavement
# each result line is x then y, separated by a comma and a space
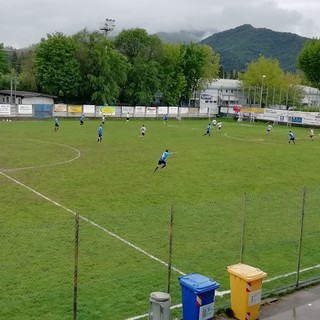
303, 304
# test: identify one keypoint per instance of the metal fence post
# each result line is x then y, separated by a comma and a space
170, 246
243, 227
75, 273
300, 236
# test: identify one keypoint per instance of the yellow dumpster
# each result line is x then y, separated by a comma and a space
245, 286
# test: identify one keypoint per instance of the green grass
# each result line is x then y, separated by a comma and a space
209, 184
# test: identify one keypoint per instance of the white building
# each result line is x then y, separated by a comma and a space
221, 93
227, 93
24, 97
311, 97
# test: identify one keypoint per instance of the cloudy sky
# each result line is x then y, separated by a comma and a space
25, 22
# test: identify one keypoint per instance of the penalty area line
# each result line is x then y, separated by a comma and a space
112, 234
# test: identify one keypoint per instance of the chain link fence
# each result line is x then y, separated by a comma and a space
105, 265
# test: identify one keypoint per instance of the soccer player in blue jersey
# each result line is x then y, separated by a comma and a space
81, 120
162, 160
100, 131
208, 130
56, 124
291, 137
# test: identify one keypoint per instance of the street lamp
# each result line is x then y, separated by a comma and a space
262, 79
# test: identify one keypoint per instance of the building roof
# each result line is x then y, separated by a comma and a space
225, 84
25, 94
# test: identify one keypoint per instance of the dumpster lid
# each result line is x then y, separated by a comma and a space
246, 272
198, 283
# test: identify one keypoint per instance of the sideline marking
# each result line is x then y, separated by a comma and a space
78, 154
94, 224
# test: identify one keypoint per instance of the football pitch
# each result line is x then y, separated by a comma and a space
239, 185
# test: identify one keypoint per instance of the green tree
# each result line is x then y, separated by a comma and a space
173, 81
4, 64
265, 82
143, 82
57, 71
200, 65
103, 69
4, 69
136, 42
263, 66
27, 79
309, 61
144, 53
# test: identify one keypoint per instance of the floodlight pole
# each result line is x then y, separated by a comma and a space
108, 26
261, 90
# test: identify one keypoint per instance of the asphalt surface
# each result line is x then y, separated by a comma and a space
299, 305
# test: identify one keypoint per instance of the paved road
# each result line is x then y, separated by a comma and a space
300, 305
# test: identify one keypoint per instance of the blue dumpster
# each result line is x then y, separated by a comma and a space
197, 296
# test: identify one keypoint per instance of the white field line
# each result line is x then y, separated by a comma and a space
48, 164
222, 293
218, 293
93, 223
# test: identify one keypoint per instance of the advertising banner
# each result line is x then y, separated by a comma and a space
60, 108
251, 110
151, 111
162, 110
89, 108
173, 110
127, 109
203, 110
110, 111
183, 110
140, 110
74, 109
5, 109
25, 109
193, 110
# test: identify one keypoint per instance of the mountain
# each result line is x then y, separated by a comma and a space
182, 36
239, 46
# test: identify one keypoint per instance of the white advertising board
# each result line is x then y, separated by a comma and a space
139, 110
89, 108
183, 110
151, 110
173, 110
25, 108
5, 109
162, 110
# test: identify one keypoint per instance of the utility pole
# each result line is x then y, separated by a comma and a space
263, 76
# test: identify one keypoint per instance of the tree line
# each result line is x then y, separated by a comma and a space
134, 68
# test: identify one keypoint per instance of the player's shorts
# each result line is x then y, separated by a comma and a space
127, 118
81, 121
161, 162
56, 125
208, 131
99, 135
291, 139
142, 133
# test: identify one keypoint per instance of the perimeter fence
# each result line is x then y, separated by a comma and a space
105, 265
